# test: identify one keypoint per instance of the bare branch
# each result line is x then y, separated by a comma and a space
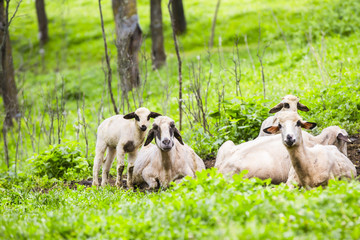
282, 32
109, 73
261, 58
211, 42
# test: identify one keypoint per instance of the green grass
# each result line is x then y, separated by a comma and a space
208, 207
322, 69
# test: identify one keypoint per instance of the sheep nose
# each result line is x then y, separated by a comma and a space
143, 128
166, 141
289, 140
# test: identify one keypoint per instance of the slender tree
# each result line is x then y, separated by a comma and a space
128, 42
42, 21
157, 36
178, 16
179, 60
7, 78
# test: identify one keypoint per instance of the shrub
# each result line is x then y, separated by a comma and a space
240, 121
62, 161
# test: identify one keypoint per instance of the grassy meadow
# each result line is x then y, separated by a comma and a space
308, 48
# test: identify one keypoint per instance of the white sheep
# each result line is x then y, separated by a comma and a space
119, 135
267, 157
313, 166
288, 103
169, 160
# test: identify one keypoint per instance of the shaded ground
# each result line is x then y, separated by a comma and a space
354, 152
353, 155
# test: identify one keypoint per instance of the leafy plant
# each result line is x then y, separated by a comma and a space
62, 161
240, 121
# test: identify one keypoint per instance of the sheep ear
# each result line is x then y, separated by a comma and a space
153, 115
178, 136
308, 125
271, 130
302, 107
130, 115
150, 137
277, 108
341, 136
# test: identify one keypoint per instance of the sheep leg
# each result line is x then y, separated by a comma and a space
99, 156
120, 166
149, 178
107, 165
130, 169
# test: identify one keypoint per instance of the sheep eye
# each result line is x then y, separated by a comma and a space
279, 126
137, 118
155, 127
298, 123
286, 105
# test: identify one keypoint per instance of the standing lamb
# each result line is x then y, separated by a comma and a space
119, 135
288, 103
313, 166
169, 160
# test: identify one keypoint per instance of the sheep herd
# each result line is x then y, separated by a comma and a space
282, 151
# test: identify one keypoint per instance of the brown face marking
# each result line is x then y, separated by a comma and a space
129, 146
157, 131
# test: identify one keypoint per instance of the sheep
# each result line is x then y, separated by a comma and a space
263, 158
169, 160
313, 166
332, 135
266, 157
288, 103
119, 135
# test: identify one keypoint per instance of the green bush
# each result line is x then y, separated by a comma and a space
336, 104
62, 161
239, 122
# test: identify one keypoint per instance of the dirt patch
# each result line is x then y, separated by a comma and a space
209, 162
354, 152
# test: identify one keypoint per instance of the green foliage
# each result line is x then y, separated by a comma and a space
336, 104
341, 18
239, 121
62, 161
243, 118
208, 207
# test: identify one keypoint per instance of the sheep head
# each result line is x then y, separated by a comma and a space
164, 131
338, 137
289, 103
289, 125
142, 117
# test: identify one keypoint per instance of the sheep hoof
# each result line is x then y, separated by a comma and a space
95, 183
130, 185
118, 184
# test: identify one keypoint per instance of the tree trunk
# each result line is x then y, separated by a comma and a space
157, 36
42, 21
128, 42
179, 16
7, 78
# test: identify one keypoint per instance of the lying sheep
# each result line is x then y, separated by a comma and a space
120, 135
268, 158
288, 103
169, 160
313, 166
